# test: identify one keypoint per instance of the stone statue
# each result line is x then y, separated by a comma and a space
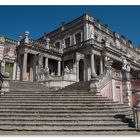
91, 35
66, 70
108, 62
126, 69
124, 64
46, 72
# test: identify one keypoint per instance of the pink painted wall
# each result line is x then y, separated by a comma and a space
118, 94
135, 84
107, 91
113, 90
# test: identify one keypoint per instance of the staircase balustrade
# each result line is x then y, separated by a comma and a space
110, 73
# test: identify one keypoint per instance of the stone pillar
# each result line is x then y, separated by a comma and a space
24, 67
77, 70
59, 68
34, 67
14, 70
46, 63
18, 72
93, 72
101, 66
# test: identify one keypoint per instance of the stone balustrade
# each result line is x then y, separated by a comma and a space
108, 75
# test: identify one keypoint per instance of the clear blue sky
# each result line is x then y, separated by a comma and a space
39, 19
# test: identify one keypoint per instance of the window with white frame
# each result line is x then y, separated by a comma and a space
67, 42
78, 38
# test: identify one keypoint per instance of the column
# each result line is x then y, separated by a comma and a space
31, 68
59, 68
24, 67
101, 65
18, 72
34, 67
77, 70
14, 70
93, 72
46, 63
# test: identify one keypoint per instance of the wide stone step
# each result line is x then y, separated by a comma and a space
65, 128
65, 108
64, 123
53, 96
66, 115
51, 91
119, 132
55, 111
55, 102
2, 105
62, 118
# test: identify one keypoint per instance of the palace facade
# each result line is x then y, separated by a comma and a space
74, 52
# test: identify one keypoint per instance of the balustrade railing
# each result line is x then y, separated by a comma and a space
83, 44
108, 75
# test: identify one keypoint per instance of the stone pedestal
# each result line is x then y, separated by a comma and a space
127, 92
136, 112
94, 86
5, 87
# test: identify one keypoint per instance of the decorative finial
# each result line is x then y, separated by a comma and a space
27, 37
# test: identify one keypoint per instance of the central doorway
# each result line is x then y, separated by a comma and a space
81, 70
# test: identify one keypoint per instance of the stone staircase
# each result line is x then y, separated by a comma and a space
27, 86
64, 112
82, 85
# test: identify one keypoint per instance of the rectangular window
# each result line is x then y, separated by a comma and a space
67, 42
57, 44
77, 38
